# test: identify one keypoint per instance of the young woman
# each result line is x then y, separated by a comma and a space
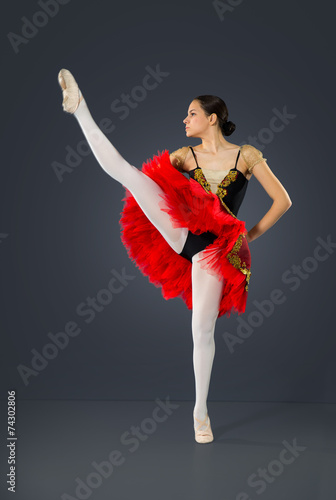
183, 232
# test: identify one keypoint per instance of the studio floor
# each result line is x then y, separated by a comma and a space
146, 450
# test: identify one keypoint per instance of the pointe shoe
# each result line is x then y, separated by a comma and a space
72, 96
203, 436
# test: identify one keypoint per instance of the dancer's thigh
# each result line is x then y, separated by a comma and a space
206, 297
150, 197
145, 190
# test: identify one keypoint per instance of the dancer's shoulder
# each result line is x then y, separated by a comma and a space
251, 155
177, 157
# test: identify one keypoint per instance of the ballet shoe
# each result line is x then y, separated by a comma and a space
72, 96
205, 435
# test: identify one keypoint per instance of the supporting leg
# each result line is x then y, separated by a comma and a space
206, 296
146, 192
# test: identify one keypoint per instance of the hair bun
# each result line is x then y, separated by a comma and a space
228, 127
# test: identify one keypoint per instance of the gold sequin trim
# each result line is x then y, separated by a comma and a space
235, 260
222, 192
230, 177
199, 176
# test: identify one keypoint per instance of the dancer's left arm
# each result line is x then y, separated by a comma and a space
276, 191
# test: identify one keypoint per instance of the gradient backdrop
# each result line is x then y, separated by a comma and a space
59, 232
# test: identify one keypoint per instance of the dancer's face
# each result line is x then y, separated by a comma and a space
197, 122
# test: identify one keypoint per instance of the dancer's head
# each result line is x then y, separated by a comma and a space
208, 114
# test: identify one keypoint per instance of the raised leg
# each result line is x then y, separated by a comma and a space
146, 192
206, 297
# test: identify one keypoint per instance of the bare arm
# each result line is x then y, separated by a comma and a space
279, 195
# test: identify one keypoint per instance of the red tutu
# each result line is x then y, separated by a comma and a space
189, 205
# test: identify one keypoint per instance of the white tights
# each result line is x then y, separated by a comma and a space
143, 188
206, 289
206, 296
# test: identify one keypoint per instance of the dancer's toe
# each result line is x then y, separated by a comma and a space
72, 96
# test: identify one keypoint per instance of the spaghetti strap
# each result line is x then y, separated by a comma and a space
235, 167
194, 155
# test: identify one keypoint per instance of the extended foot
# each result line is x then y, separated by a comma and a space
203, 432
72, 96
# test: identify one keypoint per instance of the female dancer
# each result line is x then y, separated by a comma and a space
183, 233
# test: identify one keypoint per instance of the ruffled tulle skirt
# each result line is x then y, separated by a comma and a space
188, 205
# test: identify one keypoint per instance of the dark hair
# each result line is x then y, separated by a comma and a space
213, 104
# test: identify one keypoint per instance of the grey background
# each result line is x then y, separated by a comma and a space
63, 239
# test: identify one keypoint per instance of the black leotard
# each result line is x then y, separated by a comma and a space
231, 191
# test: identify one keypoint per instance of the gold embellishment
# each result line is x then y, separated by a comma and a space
246, 271
222, 192
235, 260
201, 179
230, 177
199, 176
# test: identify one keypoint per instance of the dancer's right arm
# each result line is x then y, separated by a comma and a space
178, 157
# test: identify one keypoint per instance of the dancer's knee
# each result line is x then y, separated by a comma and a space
203, 329
203, 340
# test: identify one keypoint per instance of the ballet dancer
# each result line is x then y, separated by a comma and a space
192, 243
